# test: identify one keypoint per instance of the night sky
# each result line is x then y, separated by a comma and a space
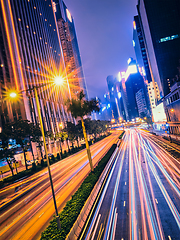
104, 31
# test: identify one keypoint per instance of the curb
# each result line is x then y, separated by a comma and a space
79, 224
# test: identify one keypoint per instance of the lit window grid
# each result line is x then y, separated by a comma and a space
35, 44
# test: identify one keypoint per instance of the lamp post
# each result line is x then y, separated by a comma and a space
47, 159
58, 81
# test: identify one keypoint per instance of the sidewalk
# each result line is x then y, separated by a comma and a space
161, 135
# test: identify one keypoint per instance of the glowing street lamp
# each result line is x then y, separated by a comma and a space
13, 95
58, 80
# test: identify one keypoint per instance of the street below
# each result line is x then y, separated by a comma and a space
26, 207
141, 197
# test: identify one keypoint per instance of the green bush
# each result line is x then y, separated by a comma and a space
33, 169
121, 135
73, 207
42, 162
53, 158
58, 156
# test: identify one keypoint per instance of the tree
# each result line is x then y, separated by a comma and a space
37, 137
81, 107
71, 131
62, 136
21, 130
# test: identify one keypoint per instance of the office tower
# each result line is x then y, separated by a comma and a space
141, 103
30, 54
132, 89
70, 48
160, 22
140, 50
158, 113
111, 87
153, 91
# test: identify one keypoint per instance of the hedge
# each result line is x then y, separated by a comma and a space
73, 207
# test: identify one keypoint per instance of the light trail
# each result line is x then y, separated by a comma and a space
26, 221
152, 187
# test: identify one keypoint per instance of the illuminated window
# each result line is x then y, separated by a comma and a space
55, 51
34, 32
49, 5
34, 7
27, 26
40, 38
45, 20
50, 47
45, 42
2, 65
54, 30
19, 19
40, 14
50, 25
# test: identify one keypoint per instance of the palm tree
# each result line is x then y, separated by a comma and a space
81, 107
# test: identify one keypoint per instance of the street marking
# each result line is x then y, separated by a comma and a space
156, 200
126, 170
41, 214
125, 183
169, 238
124, 203
97, 223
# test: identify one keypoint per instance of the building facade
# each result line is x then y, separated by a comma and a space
140, 50
70, 48
134, 93
172, 109
31, 54
160, 24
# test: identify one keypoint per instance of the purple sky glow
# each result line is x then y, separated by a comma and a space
104, 31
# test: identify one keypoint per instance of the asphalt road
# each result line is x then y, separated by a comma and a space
141, 197
26, 207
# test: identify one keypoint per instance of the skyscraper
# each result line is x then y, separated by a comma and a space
160, 22
140, 50
30, 54
134, 93
70, 48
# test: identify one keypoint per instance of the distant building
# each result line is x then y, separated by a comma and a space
141, 103
153, 92
160, 24
130, 86
70, 48
111, 87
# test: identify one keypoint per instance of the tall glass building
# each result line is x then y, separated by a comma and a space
70, 48
31, 54
160, 23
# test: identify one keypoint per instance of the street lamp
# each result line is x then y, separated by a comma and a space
14, 95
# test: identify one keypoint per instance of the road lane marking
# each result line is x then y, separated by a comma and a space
169, 238
124, 203
156, 200
97, 223
125, 183
41, 214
